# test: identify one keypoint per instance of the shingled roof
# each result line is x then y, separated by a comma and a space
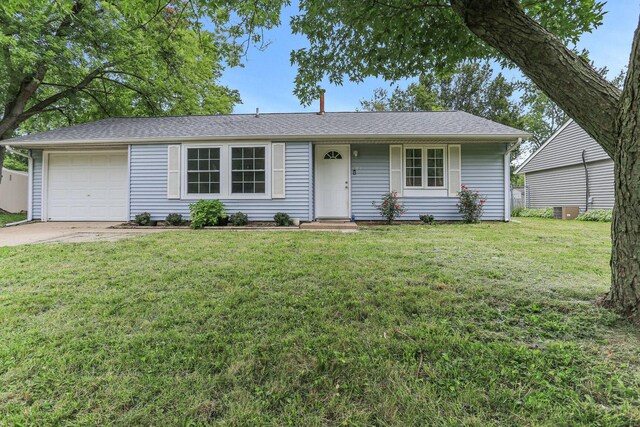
280, 126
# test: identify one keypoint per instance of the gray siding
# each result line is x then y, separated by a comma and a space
482, 170
601, 185
36, 205
566, 186
148, 183
566, 149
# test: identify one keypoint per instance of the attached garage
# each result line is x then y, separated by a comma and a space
86, 186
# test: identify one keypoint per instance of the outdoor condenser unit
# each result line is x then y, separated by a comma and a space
566, 212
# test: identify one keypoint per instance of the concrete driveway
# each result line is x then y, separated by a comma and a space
63, 232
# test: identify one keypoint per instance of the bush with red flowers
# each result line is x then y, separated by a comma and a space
390, 208
470, 205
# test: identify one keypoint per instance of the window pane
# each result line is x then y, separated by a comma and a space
435, 167
203, 170
248, 170
413, 171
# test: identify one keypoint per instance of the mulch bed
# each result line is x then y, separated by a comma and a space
165, 225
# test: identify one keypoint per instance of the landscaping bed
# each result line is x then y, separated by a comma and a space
186, 226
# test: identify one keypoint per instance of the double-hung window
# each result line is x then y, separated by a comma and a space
424, 167
227, 170
203, 170
248, 173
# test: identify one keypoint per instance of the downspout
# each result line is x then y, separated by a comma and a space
507, 179
586, 180
30, 189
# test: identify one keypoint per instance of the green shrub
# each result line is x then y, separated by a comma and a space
390, 208
239, 219
470, 205
515, 212
205, 213
536, 213
15, 163
143, 218
427, 219
282, 219
174, 219
598, 215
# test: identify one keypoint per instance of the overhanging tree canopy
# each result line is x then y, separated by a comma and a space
395, 39
69, 61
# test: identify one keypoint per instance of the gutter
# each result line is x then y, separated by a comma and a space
315, 138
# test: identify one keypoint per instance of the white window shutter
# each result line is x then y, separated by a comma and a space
173, 176
395, 169
455, 170
277, 170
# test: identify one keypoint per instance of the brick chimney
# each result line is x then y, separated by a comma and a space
321, 112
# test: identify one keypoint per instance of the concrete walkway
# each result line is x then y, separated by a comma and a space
65, 232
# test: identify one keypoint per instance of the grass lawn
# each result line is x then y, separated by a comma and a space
491, 324
6, 218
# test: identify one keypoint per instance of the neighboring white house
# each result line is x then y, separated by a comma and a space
310, 166
569, 169
14, 189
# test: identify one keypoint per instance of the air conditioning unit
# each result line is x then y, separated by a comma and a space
566, 212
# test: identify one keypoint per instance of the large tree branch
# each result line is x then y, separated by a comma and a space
566, 78
30, 83
38, 107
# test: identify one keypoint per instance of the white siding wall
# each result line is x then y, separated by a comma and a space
482, 169
148, 175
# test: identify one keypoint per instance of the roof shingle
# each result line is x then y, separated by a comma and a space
278, 125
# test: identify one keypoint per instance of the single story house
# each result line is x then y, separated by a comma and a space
309, 165
569, 169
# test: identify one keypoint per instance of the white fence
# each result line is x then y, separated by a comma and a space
14, 189
517, 197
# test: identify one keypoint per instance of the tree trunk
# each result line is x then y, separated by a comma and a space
610, 117
624, 295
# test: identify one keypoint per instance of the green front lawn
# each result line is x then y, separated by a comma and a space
491, 324
7, 218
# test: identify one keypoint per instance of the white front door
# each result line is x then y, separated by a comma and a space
87, 186
332, 181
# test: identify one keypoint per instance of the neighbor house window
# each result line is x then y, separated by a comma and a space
248, 174
414, 167
435, 167
203, 170
424, 167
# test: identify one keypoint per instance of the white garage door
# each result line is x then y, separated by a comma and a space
87, 187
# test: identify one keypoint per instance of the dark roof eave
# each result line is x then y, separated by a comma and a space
26, 143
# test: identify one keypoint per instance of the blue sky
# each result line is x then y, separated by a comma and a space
266, 81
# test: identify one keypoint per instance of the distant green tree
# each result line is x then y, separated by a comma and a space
69, 61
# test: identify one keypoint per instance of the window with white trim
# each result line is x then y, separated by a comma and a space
435, 167
248, 173
424, 167
203, 170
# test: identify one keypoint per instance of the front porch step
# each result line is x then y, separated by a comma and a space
329, 225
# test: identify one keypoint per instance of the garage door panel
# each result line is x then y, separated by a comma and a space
87, 186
